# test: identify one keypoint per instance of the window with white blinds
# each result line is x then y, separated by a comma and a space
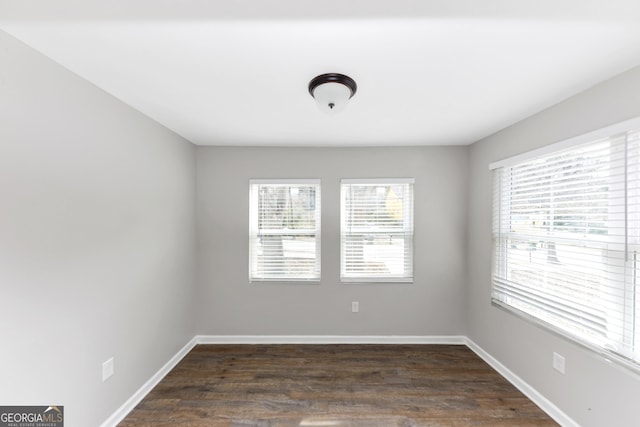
376, 230
566, 241
284, 230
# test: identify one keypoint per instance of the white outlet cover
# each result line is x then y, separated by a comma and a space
558, 362
107, 369
355, 307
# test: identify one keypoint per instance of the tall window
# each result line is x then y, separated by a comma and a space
377, 230
285, 230
566, 239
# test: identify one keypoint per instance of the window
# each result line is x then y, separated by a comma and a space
566, 239
377, 230
284, 230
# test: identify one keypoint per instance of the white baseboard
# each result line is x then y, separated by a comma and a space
329, 339
137, 397
552, 410
545, 404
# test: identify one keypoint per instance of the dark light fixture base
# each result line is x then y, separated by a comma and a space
333, 78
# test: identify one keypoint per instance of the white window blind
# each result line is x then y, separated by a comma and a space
284, 230
566, 242
377, 230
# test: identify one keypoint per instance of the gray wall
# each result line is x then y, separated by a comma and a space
97, 241
229, 304
593, 392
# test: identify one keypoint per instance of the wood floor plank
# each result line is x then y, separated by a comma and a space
334, 386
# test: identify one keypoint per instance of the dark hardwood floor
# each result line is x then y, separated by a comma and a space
334, 385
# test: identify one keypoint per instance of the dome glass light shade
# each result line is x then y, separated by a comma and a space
332, 97
332, 91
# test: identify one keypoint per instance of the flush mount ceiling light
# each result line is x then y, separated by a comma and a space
332, 91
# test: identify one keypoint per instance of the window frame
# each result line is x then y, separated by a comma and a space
407, 232
618, 318
254, 230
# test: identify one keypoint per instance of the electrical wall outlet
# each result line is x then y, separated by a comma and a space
107, 369
558, 362
355, 306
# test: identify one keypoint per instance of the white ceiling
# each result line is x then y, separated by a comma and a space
439, 72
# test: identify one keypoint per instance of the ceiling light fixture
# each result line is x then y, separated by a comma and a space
332, 91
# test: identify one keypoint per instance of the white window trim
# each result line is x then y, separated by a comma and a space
594, 135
